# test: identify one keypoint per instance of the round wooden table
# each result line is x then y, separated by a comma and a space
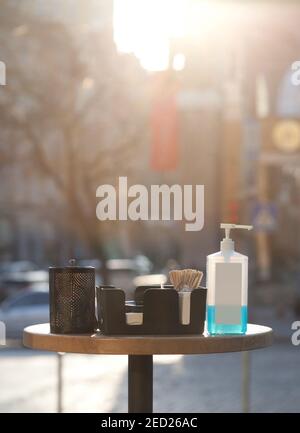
140, 351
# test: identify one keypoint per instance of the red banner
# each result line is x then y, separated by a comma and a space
164, 123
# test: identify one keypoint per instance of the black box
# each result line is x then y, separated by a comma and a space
160, 309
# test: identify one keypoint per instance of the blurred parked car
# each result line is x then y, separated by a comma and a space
21, 275
150, 280
121, 271
95, 263
24, 309
18, 266
143, 264
27, 277
121, 274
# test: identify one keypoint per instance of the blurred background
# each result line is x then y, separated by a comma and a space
170, 91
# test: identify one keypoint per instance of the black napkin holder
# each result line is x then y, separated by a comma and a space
160, 309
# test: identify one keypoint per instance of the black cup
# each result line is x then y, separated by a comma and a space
72, 299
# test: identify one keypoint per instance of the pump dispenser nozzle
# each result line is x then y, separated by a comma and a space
227, 244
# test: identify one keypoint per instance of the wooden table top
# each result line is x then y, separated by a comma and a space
39, 337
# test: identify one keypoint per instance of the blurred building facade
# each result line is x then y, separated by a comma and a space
25, 232
232, 91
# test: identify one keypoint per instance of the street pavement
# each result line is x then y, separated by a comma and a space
28, 382
28, 379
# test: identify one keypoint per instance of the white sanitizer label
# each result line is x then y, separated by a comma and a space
228, 293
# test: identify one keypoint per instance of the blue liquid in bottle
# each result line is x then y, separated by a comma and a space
219, 328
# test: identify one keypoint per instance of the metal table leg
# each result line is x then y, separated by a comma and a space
60, 359
140, 383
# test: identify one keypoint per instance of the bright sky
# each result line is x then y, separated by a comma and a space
144, 27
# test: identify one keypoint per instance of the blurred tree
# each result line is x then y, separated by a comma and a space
72, 119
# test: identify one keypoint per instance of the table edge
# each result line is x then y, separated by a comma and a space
152, 345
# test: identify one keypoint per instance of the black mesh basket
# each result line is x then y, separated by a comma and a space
72, 300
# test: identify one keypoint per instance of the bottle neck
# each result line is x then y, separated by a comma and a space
227, 246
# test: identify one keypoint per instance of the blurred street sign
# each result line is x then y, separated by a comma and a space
286, 135
264, 217
281, 135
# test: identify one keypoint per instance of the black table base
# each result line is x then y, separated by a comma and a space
140, 383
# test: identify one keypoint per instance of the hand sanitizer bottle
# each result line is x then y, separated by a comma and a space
227, 286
